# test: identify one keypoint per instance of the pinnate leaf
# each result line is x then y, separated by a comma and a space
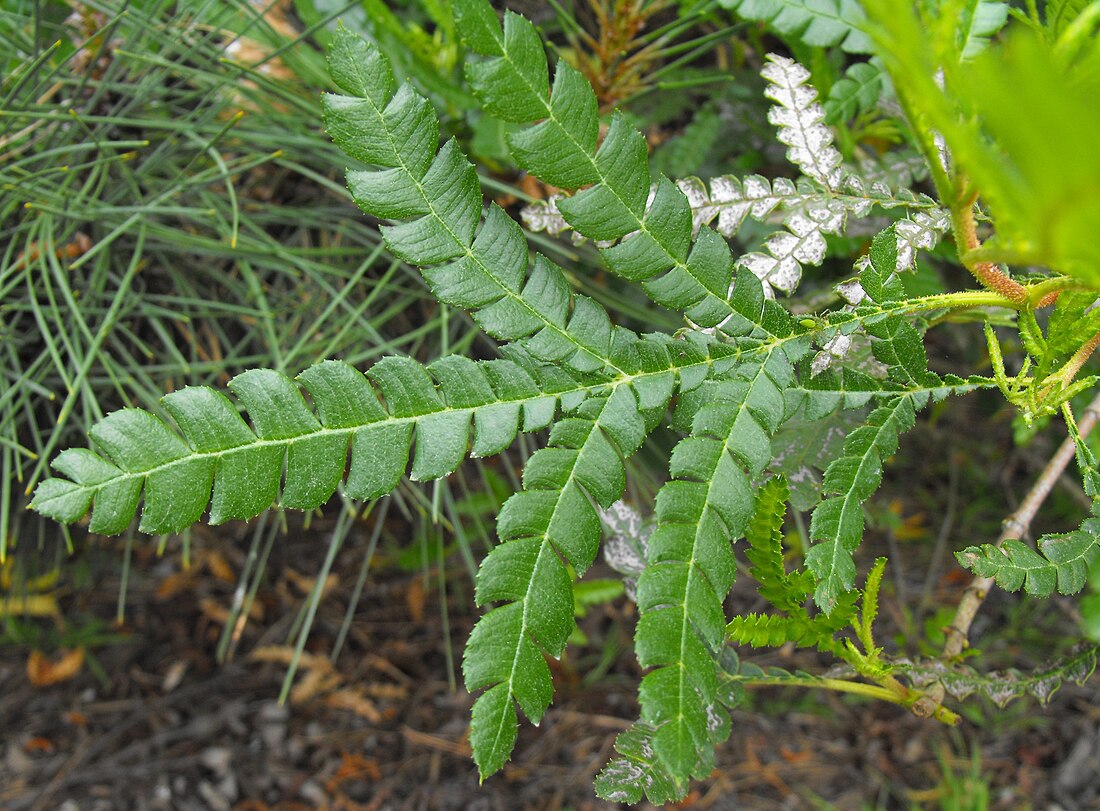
1061, 562
291, 454
552, 520
480, 265
622, 200
837, 522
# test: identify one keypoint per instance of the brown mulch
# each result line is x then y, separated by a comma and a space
155, 722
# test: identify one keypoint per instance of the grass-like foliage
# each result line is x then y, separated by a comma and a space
742, 366
170, 214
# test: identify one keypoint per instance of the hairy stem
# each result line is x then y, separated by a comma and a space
1066, 374
966, 238
967, 299
1044, 293
1015, 526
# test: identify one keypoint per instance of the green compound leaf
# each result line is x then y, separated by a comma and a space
553, 522
481, 266
856, 92
297, 457
707, 504
767, 630
550, 523
785, 591
292, 455
1073, 321
636, 774
564, 150
1002, 686
1061, 562
1036, 164
837, 523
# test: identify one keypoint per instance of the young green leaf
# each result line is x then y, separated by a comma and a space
979, 21
1062, 561
856, 92
764, 534
837, 523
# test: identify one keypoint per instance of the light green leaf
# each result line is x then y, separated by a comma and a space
856, 92
1062, 561
815, 22
980, 20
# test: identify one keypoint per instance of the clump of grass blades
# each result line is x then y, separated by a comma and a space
170, 217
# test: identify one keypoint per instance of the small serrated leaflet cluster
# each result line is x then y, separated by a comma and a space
785, 591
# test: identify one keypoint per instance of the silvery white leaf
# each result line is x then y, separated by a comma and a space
803, 242
702, 212
780, 272
627, 546
836, 348
543, 215
734, 200
765, 197
898, 168
942, 152
801, 121
828, 215
851, 291
920, 231
761, 265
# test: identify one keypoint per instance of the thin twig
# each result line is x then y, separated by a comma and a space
947, 525
1015, 526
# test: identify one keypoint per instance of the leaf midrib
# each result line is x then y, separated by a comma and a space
870, 453
261, 442
684, 688
544, 539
